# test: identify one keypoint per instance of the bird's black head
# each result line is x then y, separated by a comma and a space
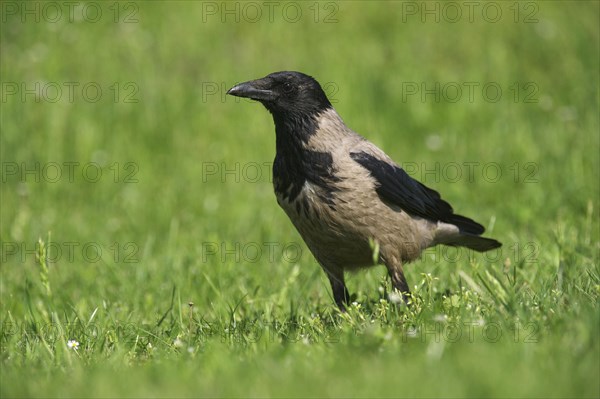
285, 93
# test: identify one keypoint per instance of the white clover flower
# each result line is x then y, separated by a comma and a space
72, 344
178, 343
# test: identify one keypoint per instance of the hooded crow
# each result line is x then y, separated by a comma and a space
343, 193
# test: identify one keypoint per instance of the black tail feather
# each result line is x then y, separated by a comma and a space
465, 225
480, 244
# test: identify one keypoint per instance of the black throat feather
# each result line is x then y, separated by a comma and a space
295, 164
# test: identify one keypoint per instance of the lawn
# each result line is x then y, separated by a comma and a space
143, 253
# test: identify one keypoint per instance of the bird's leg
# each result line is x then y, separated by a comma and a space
398, 280
340, 292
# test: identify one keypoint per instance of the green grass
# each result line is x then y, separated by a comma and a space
173, 227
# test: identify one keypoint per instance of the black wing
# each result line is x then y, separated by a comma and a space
396, 187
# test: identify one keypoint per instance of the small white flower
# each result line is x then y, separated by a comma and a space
412, 332
440, 318
395, 297
178, 343
190, 349
72, 344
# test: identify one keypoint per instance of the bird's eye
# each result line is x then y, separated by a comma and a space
287, 87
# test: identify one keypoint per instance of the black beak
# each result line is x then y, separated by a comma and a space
254, 90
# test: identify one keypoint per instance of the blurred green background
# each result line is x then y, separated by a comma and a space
150, 189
